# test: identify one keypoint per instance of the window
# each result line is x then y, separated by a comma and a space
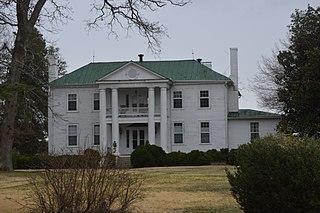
204, 98
96, 135
178, 133
96, 101
254, 130
204, 132
177, 99
72, 102
72, 135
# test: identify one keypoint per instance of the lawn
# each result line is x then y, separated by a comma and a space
169, 189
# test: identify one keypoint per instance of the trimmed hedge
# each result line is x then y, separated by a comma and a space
27, 161
176, 159
91, 158
197, 158
277, 174
151, 155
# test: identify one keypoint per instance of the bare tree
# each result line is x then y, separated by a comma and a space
265, 83
22, 15
78, 183
128, 14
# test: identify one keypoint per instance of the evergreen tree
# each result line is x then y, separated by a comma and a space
31, 121
291, 81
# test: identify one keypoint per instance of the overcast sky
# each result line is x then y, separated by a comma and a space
207, 28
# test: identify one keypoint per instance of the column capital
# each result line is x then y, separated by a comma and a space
163, 88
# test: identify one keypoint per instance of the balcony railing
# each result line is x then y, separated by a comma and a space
133, 111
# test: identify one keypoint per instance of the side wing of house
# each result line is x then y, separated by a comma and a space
247, 125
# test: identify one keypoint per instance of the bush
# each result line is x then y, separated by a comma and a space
141, 157
157, 153
83, 188
93, 157
232, 157
222, 155
176, 159
27, 161
197, 158
148, 155
212, 154
277, 174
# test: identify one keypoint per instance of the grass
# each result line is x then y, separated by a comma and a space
202, 189
187, 189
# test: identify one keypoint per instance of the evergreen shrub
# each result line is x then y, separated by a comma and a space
197, 158
141, 157
212, 154
222, 155
176, 159
277, 174
27, 162
232, 157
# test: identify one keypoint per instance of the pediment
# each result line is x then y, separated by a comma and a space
131, 71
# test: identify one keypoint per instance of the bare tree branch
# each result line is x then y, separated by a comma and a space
128, 14
266, 82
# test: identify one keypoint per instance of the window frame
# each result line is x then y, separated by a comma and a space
177, 98
177, 132
96, 100
76, 135
205, 132
254, 130
76, 102
94, 135
204, 98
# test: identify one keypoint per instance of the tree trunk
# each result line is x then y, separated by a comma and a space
10, 108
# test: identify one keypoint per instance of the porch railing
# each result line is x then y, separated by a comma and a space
132, 111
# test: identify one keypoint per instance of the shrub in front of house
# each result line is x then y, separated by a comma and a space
152, 155
212, 154
222, 155
277, 174
92, 156
197, 158
141, 157
158, 154
148, 155
232, 157
27, 161
176, 159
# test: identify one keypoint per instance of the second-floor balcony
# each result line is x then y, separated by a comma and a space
138, 111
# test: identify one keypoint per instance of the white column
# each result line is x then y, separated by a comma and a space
151, 125
103, 120
163, 119
115, 122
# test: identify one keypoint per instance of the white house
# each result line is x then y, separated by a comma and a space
180, 105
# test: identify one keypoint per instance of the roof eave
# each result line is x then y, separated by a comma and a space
253, 117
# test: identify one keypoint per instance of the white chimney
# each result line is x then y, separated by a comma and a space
53, 68
233, 92
234, 66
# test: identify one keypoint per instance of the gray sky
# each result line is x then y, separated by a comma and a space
208, 28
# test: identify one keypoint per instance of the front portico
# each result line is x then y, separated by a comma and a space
133, 108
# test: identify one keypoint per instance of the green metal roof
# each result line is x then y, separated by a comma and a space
250, 113
173, 70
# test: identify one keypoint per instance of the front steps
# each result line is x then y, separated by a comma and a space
123, 162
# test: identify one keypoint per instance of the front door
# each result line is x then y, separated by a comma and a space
137, 137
